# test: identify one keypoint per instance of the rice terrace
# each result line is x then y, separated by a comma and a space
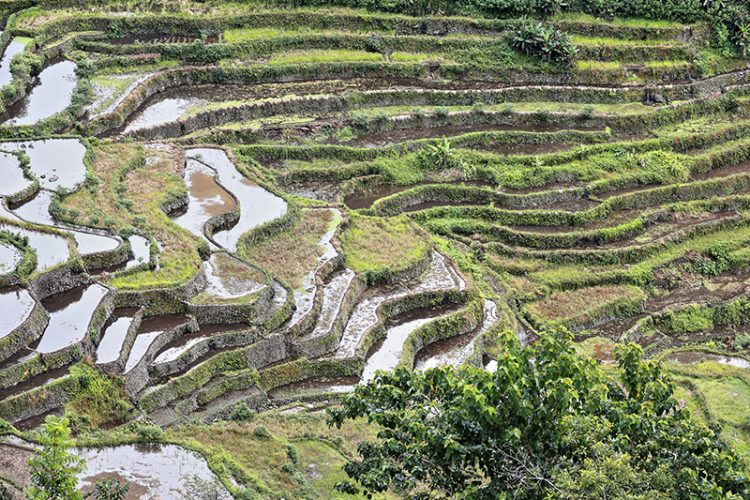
478, 249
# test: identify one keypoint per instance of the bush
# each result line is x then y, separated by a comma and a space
541, 40
262, 433
242, 413
741, 342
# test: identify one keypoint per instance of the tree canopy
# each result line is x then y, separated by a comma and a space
549, 422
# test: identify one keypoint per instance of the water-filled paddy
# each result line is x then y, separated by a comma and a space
70, 313
50, 95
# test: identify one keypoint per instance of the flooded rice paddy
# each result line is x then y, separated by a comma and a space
257, 205
70, 313
50, 95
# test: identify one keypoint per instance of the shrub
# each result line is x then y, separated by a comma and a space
262, 433
543, 41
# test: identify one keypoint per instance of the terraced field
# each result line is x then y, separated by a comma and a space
211, 207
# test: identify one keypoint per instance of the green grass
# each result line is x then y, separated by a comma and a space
323, 56
378, 244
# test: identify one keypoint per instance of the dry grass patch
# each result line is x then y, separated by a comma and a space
292, 254
575, 307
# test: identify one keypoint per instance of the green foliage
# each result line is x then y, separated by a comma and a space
100, 397
541, 40
54, 468
242, 413
741, 342
548, 422
262, 432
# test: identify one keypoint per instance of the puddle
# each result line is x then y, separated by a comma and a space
9, 258
455, 351
141, 248
206, 198
51, 94
51, 249
153, 471
695, 357
184, 343
55, 162
70, 313
16, 305
13, 48
12, 175
257, 205
228, 278
149, 331
439, 276
161, 112
333, 297
114, 335
305, 297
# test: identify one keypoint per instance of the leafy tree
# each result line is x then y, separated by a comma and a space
548, 423
54, 468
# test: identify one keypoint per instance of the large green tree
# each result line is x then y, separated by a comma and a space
548, 423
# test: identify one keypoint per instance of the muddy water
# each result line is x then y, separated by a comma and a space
206, 198
305, 297
228, 278
150, 329
387, 354
257, 205
51, 249
11, 174
161, 112
740, 168
455, 351
50, 95
184, 343
13, 48
70, 313
439, 276
695, 357
56, 162
39, 380
16, 305
9, 258
365, 199
333, 297
152, 471
114, 335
